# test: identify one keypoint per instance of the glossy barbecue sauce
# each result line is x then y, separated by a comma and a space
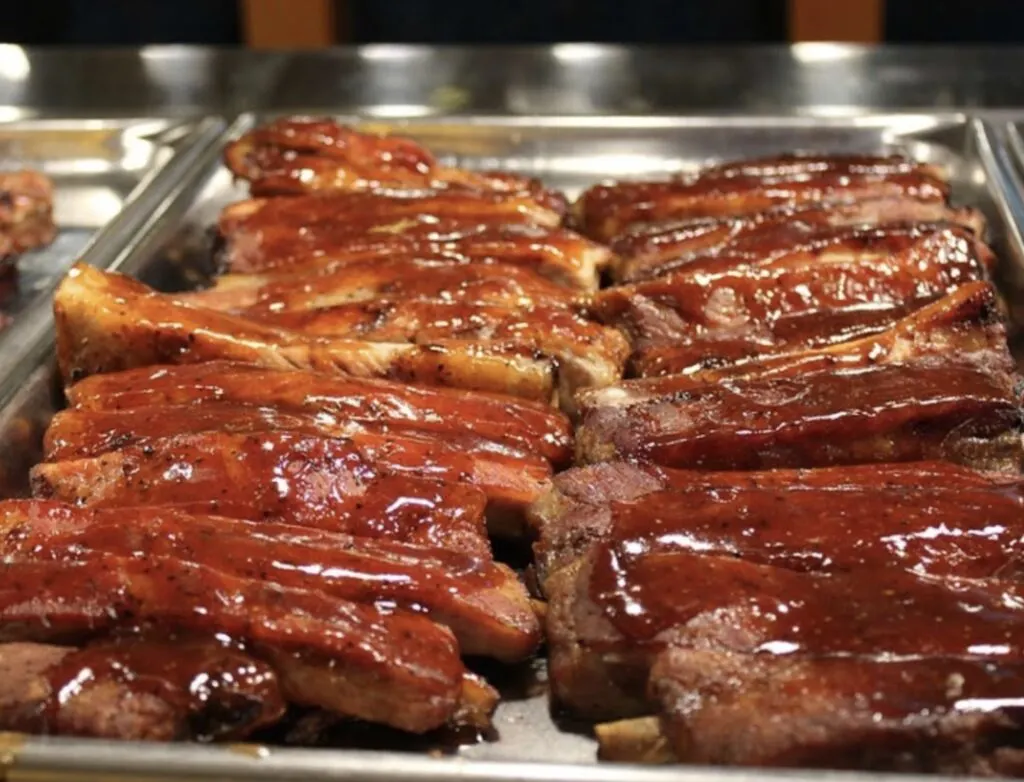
939, 531
311, 481
746, 607
528, 426
213, 689
606, 210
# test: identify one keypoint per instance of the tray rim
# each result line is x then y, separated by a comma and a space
29, 757
31, 332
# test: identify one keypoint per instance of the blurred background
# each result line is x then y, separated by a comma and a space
315, 23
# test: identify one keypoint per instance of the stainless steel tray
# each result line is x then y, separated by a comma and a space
101, 169
171, 250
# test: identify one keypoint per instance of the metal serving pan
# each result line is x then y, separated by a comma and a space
172, 251
106, 174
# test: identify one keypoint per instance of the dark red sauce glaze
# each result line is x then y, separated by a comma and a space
742, 606
652, 250
482, 602
716, 297
214, 690
379, 649
873, 414
276, 476
523, 425
606, 210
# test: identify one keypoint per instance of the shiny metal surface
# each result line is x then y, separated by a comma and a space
107, 175
154, 80
577, 78
171, 249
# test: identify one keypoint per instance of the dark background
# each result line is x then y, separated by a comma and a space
135, 22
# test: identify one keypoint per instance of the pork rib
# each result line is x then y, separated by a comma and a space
107, 322
934, 715
511, 481
409, 277
137, 688
561, 255
357, 660
612, 612
652, 250
605, 211
895, 412
447, 413
311, 154
725, 297
482, 602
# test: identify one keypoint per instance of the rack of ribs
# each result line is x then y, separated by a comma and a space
789, 576
796, 538
307, 154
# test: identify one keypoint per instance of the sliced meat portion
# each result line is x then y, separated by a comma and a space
482, 602
884, 413
107, 322
611, 613
137, 689
935, 715
290, 217
510, 481
409, 277
588, 354
930, 526
26, 212
604, 211
650, 250
310, 154
449, 413
967, 324
722, 298
366, 661
282, 477
561, 255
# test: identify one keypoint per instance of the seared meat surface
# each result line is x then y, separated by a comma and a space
308, 154
557, 253
138, 687
724, 297
604, 211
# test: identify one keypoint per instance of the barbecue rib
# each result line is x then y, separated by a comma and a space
611, 612
394, 278
107, 322
936, 714
966, 324
303, 219
137, 688
376, 404
722, 297
889, 412
559, 254
483, 603
654, 249
968, 312
588, 354
605, 211
271, 443
308, 154
312, 482
925, 518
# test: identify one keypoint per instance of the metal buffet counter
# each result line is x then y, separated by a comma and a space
571, 114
